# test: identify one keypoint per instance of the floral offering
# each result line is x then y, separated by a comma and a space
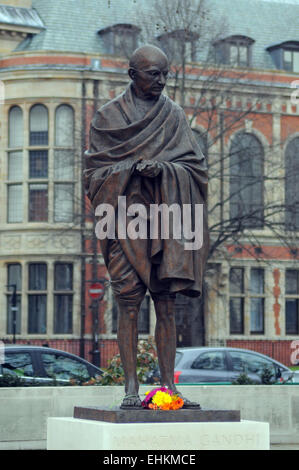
162, 399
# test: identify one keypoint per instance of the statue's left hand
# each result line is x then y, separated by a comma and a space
149, 168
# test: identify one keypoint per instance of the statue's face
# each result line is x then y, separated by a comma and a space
150, 76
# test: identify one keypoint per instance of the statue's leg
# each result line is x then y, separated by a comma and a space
165, 337
127, 335
129, 292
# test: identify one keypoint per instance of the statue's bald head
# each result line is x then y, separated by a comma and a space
147, 55
148, 70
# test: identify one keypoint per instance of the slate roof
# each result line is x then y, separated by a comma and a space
20, 16
72, 25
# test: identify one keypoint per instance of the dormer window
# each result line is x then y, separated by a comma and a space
286, 55
179, 45
234, 50
291, 60
120, 39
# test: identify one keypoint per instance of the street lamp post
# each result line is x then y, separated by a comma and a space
14, 309
96, 292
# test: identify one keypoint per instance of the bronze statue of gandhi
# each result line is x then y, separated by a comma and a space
142, 148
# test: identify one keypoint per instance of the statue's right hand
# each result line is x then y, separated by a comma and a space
149, 168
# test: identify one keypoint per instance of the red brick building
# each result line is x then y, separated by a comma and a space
59, 61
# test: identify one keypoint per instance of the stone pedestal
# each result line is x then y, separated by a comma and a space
116, 431
117, 415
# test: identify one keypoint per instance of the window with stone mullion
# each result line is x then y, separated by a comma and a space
236, 301
246, 294
291, 185
15, 165
246, 181
292, 302
63, 298
64, 164
38, 172
37, 298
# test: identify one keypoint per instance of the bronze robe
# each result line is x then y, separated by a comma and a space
118, 139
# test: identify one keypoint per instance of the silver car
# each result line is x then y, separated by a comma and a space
224, 364
43, 365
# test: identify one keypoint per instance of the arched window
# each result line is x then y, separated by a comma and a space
15, 137
291, 185
64, 163
15, 165
64, 126
38, 164
15, 140
38, 125
246, 181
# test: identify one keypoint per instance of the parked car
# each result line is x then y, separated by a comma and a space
44, 365
218, 365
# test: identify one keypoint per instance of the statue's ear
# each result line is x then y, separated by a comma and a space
132, 73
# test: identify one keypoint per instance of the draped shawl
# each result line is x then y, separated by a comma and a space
118, 139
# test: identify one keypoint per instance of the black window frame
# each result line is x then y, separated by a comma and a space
61, 292
38, 138
170, 41
257, 296
277, 53
241, 183
223, 50
291, 185
294, 298
9, 312
240, 296
111, 35
34, 292
245, 295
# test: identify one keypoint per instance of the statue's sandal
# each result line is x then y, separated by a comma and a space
131, 402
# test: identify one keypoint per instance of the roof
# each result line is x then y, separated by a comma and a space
266, 22
73, 25
27, 17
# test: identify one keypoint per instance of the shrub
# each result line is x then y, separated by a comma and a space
243, 379
146, 362
267, 377
113, 374
7, 380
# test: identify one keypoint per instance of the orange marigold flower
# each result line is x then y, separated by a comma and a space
166, 406
152, 406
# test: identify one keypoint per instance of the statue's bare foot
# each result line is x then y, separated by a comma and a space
131, 402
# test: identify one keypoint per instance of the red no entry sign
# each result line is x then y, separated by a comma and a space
96, 290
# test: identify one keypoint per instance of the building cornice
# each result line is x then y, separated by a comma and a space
86, 62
